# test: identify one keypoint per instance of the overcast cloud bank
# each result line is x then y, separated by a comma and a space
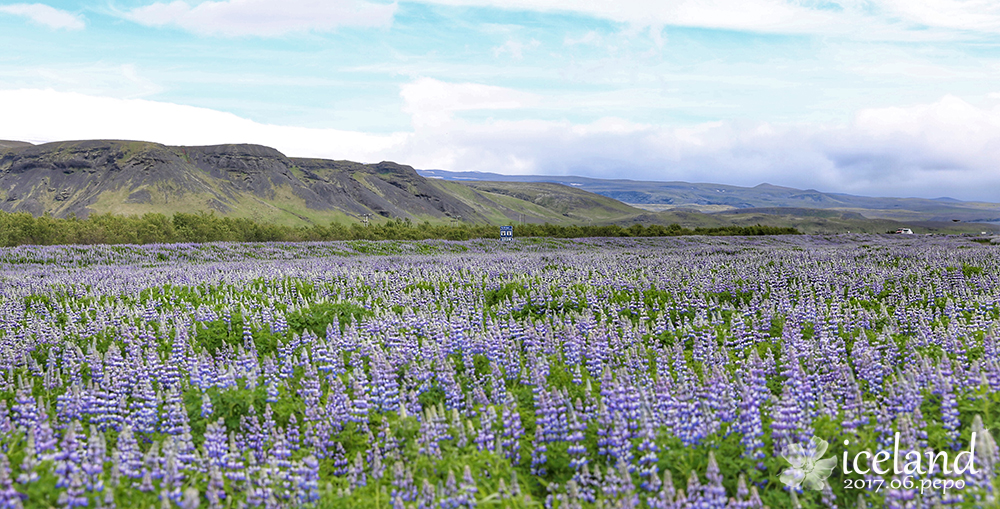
930, 150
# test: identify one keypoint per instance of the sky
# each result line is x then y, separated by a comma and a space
869, 97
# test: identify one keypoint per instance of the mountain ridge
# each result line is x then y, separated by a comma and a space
659, 196
122, 177
84, 177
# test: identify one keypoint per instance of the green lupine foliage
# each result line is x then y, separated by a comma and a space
21, 228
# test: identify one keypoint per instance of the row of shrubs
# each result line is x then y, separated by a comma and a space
22, 228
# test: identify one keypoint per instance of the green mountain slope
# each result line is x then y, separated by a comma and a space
707, 197
256, 182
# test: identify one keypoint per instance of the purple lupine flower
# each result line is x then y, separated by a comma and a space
216, 443
175, 413
498, 389
740, 500
868, 364
713, 494
648, 471
173, 478
6, 426
786, 424
828, 498
486, 437
338, 404
949, 414
375, 460
619, 442
256, 436
273, 394
292, 434
69, 404
803, 390
74, 495
720, 396
144, 406
538, 454
129, 454
67, 458
307, 483
356, 475
10, 498
340, 464
232, 466
452, 390
613, 483
427, 495
45, 437
93, 465
468, 488
688, 415
150, 468
386, 387
853, 406
359, 401
206, 405
587, 485
749, 424
216, 489
987, 456
667, 495
461, 439
604, 428
883, 425
30, 461
269, 428
449, 492
577, 450
402, 483
25, 409
261, 487
694, 490
430, 434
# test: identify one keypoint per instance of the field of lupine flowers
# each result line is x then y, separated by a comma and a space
660, 373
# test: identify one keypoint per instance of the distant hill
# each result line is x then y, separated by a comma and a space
261, 183
5, 144
710, 198
82, 178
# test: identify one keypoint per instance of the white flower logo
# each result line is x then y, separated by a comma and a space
808, 468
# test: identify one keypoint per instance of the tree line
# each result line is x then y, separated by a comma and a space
22, 228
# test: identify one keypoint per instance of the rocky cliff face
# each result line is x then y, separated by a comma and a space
85, 177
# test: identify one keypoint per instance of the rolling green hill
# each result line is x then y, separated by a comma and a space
711, 198
256, 182
81, 178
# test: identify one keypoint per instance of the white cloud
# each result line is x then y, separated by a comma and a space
892, 19
758, 15
973, 15
431, 102
45, 15
99, 78
46, 115
266, 18
589, 38
945, 148
515, 48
